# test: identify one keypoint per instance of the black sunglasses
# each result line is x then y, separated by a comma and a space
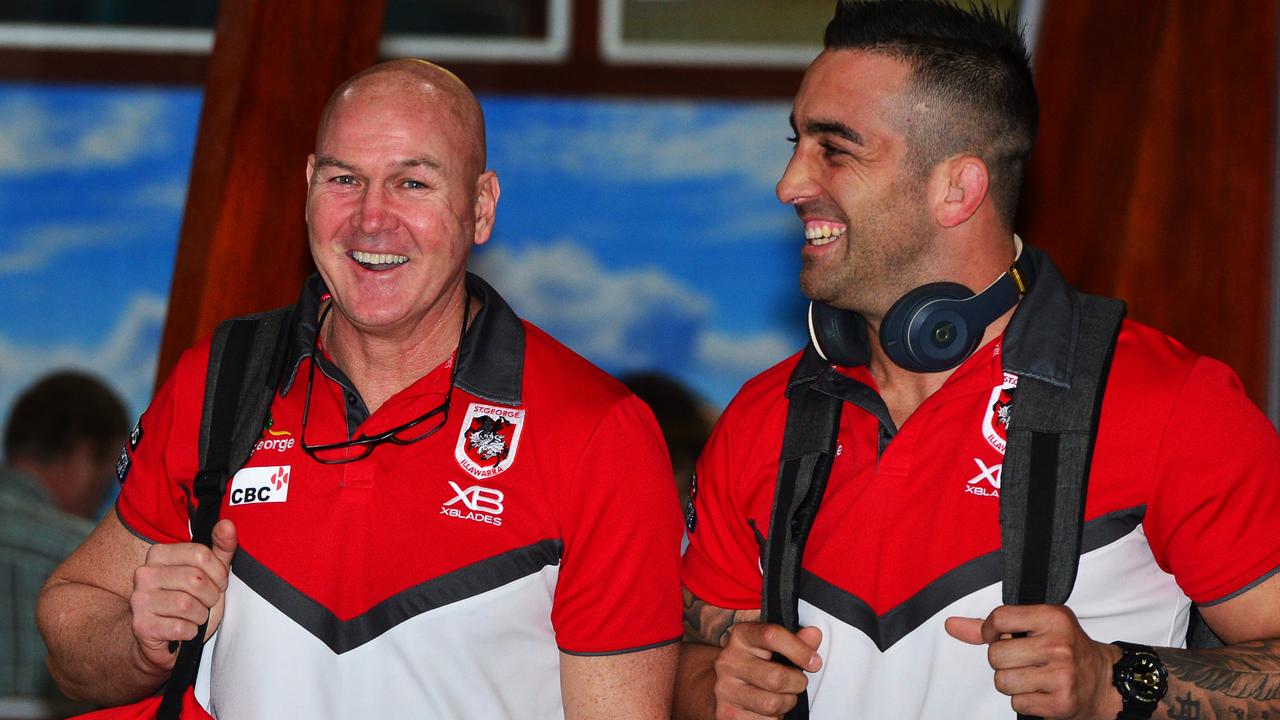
398, 435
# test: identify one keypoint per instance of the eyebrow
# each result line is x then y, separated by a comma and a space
423, 161
829, 127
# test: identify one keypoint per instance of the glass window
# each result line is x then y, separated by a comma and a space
786, 33
531, 30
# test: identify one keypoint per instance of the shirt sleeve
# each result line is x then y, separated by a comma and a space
1214, 516
722, 563
159, 461
619, 589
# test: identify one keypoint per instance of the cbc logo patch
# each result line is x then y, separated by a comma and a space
260, 485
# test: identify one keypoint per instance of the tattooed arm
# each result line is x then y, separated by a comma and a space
725, 663
1236, 682
1050, 668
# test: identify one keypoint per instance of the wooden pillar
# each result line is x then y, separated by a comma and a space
1153, 175
243, 242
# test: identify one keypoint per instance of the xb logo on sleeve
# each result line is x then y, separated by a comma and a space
260, 485
478, 504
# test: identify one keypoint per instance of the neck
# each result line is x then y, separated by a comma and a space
903, 390
382, 364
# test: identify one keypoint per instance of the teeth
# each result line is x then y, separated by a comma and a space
823, 233
368, 258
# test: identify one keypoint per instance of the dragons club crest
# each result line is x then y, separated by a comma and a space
995, 421
488, 440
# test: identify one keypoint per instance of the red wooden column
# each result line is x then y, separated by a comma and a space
1153, 177
243, 242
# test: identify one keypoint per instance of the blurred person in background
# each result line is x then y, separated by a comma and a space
61, 444
683, 416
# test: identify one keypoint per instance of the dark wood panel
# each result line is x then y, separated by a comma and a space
243, 242
1153, 176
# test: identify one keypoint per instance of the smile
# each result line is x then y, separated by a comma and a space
377, 261
822, 232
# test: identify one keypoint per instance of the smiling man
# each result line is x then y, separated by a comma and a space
938, 343
448, 514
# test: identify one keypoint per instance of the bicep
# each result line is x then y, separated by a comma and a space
1249, 615
624, 686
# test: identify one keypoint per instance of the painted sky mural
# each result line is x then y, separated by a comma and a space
643, 234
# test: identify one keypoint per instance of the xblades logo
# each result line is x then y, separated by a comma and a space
482, 504
988, 474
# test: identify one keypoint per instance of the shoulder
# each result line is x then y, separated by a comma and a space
763, 395
1155, 370
552, 370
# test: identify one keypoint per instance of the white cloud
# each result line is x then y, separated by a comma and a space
621, 320
742, 356
657, 142
35, 138
125, 359
629, 320
170, 195
36, 247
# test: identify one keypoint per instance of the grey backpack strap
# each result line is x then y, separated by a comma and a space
1045, 478
1046, 466
263, 369
245, 360
808, 449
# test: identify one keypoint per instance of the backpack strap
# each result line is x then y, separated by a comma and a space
1045, 477
245, 360
808, 449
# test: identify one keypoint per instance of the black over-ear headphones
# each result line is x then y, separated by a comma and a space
933, 328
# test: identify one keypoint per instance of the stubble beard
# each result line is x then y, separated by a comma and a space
882, 255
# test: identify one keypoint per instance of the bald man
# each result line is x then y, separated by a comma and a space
476, 522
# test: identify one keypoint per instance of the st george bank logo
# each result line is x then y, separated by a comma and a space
278, 440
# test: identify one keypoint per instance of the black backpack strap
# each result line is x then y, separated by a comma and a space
808, 449
1045, 477
245, 361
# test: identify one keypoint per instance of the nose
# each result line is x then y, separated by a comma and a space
374, 214
796, 184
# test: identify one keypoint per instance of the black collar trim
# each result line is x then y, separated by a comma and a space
1040, 341
491, 359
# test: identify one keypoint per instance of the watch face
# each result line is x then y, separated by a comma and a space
1144, 680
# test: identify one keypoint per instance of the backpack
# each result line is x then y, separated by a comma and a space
1043, 483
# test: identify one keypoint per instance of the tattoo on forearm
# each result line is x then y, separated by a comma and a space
1241, 682
705, 623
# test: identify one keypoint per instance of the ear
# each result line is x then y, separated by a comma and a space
487, 192
959, 186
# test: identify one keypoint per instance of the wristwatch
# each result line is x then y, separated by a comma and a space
1141, 678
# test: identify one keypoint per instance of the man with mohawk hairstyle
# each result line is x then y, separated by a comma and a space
378, 556
936, 339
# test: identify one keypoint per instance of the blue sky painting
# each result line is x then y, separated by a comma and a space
643, 234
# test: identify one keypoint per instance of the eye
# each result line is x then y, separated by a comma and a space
830, 151
793, 139
343, 180
414, 185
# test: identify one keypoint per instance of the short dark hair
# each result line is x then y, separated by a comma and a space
60, 410
974, 62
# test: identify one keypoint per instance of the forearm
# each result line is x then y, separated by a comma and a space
695, 682
1237, 682
92, 652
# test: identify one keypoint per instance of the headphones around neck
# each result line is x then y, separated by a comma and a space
932, 328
